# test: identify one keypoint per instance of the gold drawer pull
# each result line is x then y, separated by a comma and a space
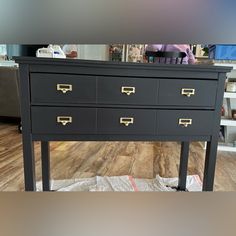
185, 122
64, 87
187, 91
126, 120
127, 90
64, 119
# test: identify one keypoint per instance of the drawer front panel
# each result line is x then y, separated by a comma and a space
63, 120
196, 93
62, 88
184, 122
118, 90
126, 121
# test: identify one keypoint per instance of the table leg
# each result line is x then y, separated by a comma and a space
28, 144
29, 164
210, 162
45, 157
183, 167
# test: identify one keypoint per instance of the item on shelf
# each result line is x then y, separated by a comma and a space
53, 51
222, 52
234, 114
116, 52
3, 57
222, 134
222, 111
44, 52
135, 52
231, 87
57, 51
200, 50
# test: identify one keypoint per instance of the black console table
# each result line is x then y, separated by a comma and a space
74, 100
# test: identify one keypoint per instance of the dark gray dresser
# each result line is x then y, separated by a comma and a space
70, 100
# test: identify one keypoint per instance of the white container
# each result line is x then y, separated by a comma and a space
44, 52
57, 51
52, 51
231, 87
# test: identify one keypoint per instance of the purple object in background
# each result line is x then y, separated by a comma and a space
189, 59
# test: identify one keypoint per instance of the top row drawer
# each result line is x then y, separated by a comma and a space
64, 89
61, 88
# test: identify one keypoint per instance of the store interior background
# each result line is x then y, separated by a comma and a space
127, 53
105, 52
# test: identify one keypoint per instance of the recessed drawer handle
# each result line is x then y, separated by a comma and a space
187, 91
127, 90
126, 120
64, 120
185, 122
64, 87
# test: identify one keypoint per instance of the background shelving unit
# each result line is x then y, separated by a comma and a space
227, 122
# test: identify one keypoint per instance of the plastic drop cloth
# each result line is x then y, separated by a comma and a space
123, 183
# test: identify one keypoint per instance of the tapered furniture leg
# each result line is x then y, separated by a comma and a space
45, 157
183, 167
29, 165
27, 141
210, 162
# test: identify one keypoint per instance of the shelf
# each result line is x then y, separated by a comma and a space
229, 95
226, 148
226, 64
8, 64
223, 147
227, 122
201, 57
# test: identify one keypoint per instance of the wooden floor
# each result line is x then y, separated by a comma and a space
86, 159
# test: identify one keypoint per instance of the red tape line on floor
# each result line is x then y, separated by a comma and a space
133, 184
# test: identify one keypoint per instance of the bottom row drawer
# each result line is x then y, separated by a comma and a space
63, 120
74, 120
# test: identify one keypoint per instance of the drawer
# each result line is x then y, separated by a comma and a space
126, 121
63, 120
123, 90
62, 88
193, 93
196, 122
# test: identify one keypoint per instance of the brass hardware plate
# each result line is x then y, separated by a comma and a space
64, 120
126, 120
127, 90
185, 122
188, 92
64, 87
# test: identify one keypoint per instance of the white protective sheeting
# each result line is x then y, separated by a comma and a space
123, 184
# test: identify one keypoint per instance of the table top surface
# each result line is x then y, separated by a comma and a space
56, 61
